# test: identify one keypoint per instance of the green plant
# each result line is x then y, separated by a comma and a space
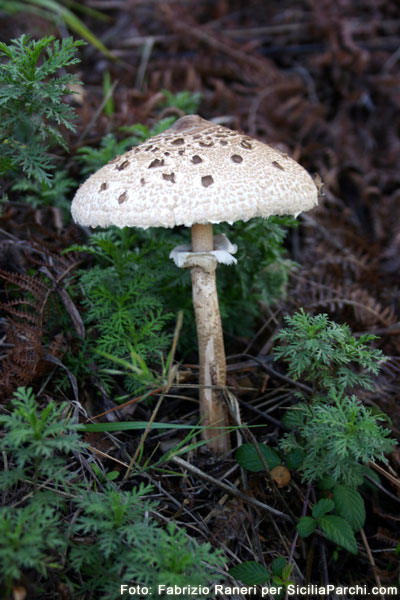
336, 529
349, 503
334, 434
113, 538
92, 159
36, 444
326, 353
30, 538
31, 103
337, 434
123, 315
252, 573
130, 546
187, 102
42, 193
248, 457
109, 107
35, 440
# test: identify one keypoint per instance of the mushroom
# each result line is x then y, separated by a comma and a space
197, 173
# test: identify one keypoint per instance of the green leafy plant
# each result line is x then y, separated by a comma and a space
30, 538
56, 193
114, 536
338, 437
253, 573
248, 457
124, 317
130, 546
337, 434
35, 440
31, 103
36, 444
93, 158
336, 529
109, 107
333, 433
349, 503
326, 353
187, 102
141, 133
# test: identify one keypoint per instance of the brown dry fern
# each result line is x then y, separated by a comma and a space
26, 320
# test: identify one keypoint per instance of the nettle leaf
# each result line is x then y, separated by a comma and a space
350, 505
248, 457
278, 565
286, 572
250, 573
306, 526
322, 507
338, 531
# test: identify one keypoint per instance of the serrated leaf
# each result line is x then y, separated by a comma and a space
278, 565
286, 572
250, 573
322, 507
248, 458
338, 531
306, 526
295, 458
349, 505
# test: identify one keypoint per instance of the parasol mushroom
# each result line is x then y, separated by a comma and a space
197, 173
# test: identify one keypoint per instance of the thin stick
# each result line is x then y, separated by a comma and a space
232, 491
371, 560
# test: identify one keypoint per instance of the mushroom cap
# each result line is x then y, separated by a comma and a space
194, 172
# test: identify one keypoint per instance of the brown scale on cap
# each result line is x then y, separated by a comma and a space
169, 177
156, 163
207, 180
206, 143
123, 165
246, 144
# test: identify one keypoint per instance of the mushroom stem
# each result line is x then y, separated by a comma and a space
213, 410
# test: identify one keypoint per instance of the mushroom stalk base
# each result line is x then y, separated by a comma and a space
213, 410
